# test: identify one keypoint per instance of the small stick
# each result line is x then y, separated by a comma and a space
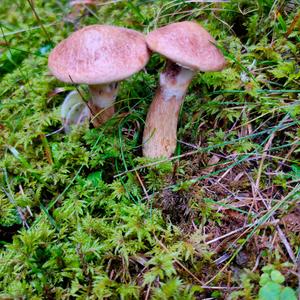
237, 230
293, 148
142, 185
286, 244
148, 292
263, 157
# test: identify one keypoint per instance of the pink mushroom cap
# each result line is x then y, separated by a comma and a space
99, 54
188, 44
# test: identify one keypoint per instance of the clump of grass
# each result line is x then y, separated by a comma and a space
85, 216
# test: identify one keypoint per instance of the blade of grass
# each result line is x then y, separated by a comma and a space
31, 4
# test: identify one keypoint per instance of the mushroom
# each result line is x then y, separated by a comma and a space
188, 48
74, 111
100, 56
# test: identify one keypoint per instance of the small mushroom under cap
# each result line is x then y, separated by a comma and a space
188, 48
100, 56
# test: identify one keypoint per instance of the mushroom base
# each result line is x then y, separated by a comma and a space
160, 133
102, 102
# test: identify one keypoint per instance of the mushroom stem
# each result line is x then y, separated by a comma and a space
160, 134
102, 102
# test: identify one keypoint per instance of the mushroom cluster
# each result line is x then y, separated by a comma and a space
102, 55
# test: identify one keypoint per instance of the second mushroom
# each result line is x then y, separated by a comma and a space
188, 48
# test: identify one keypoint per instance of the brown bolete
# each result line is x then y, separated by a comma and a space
99, 56
188, 48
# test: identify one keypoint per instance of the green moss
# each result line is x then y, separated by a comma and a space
85, 216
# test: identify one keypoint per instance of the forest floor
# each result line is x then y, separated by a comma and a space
84, 215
